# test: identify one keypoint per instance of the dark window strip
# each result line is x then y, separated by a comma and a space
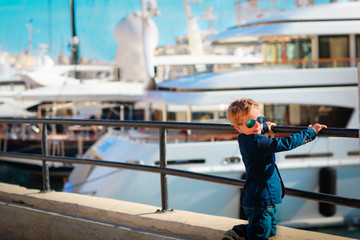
190, 161
314, 155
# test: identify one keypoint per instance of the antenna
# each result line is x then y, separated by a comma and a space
30, 32
51, 46
74, 41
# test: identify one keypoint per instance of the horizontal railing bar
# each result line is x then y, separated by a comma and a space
121, 123
329, 132
321, 197
129, 166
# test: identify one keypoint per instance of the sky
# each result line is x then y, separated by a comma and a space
96, 21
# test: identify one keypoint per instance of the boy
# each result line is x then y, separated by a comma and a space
264, 187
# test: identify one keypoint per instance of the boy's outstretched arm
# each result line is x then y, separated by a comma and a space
271, 124
317, 127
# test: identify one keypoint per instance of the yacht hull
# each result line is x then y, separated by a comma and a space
299, 168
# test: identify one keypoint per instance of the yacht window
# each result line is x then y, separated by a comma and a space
64, 112
158, 116
358, 46
198, 116
189, 161
88, 74
353, 153
171, 116
289, 50
279, 51
314, 155
299, 49
130, 113
305, 49
303, 115
222, 114
137, 114
334, 47
273, 52
12, 87
232, 160
277, 113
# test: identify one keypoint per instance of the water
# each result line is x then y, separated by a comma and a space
31, 177
352, 231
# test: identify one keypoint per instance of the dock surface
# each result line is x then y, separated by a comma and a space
30, 214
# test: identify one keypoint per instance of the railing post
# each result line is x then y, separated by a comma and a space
358, 75
163, 177
45, 167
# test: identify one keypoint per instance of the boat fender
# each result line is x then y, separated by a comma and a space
327, 181
241, 210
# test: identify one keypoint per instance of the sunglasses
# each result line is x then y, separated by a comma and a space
250, 123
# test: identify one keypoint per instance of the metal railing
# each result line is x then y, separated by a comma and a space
314, 63
162, 169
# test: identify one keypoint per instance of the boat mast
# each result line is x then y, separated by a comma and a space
74, 41
30, 33
51, 47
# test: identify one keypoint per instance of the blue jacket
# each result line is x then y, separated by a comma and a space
263, 185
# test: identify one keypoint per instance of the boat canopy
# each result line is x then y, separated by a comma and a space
264, 78
345, 97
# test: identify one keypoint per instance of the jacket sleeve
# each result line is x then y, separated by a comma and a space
273, 145
265, 128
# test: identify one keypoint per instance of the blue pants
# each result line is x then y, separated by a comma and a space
262, 223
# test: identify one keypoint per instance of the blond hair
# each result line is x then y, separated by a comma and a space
240, 108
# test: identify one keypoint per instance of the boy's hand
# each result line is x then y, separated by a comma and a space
317, 127
270, 124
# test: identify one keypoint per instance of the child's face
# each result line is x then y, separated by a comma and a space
254, 113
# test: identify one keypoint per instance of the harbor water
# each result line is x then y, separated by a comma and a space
29, 177
32, 178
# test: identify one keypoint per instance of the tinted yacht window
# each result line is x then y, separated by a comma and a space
358, 46
334, 47
303, 115
287, 50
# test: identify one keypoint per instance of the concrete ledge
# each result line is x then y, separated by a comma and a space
23, 222
57, 215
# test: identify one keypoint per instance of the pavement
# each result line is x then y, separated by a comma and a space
31, 214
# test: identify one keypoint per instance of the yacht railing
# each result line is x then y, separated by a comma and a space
162, 168
190, 70
314, 63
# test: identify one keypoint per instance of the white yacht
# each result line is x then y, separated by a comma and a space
78, 91
303, 90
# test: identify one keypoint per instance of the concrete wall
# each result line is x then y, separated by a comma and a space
29, 214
